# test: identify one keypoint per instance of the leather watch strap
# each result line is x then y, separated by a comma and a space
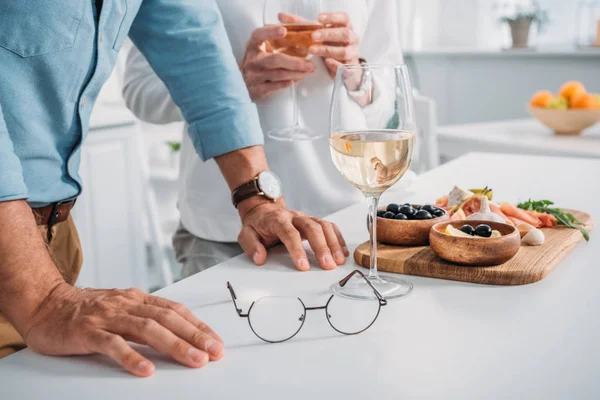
245, 191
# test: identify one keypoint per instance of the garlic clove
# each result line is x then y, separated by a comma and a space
535, 237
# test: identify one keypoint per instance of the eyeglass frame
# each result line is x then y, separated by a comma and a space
381, 301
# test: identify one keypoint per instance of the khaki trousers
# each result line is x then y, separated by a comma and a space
65, 249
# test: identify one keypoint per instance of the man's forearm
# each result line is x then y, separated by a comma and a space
241, 166
27, 273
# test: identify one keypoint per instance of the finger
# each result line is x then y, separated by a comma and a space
262, 90
334, 18
332, 66
183, 329
251, 244
184, 312
261, 35
342, 35
281, 61
292, 240
273, 75
313, 232
341, 239
115, 347
333, 241
340, 53
286, 18
150, 332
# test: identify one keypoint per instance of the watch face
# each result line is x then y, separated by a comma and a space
270, 185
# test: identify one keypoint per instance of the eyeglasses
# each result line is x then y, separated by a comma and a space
277, 319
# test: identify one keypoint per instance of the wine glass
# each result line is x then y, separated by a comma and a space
295, 43
372, 138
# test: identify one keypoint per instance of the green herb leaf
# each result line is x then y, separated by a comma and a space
563, 217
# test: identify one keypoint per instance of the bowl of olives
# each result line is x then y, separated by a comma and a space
407, 224
475, 243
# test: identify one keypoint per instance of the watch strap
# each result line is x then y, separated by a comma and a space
245, 191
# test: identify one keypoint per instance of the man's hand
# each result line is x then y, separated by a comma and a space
74, 321
266, 72
268, 223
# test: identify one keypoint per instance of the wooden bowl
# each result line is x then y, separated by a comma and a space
566, 122
405, 232
475, 251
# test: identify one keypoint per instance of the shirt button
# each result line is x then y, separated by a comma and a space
82, 103
100, 36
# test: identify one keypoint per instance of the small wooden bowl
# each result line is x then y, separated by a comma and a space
566, 122
475, 251
406, 233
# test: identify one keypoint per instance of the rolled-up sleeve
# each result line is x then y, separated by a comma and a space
186, 44
12, 185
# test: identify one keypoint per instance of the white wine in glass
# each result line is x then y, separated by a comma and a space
372, 139
296, 43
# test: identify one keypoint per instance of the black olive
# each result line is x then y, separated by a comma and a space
400, 216
409, 211
422, 214
393, 208
439, 213
483, 230
380, 213
468, 229
389, 215
428, 207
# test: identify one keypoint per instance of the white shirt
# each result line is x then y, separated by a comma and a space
311, 183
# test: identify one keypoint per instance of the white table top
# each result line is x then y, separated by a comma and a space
446, 340
524, 136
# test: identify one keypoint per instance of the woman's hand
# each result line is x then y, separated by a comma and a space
338, 43
266, 72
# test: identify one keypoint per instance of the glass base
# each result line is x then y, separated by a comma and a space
390, 287
293, 134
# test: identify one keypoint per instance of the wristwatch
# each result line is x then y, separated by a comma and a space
266, 184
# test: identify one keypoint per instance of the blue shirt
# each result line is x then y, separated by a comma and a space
55, 56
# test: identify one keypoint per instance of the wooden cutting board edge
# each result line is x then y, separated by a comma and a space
454, 271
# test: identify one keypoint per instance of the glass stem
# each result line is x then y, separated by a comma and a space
372, 203
295, 105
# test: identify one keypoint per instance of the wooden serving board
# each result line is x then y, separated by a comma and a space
531, 264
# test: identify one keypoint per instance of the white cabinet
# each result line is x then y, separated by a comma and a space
109, 212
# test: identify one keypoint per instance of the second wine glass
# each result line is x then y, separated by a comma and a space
296, 44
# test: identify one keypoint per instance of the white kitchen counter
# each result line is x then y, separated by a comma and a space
522, 136
447, 340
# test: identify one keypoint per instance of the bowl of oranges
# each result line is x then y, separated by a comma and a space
569, 112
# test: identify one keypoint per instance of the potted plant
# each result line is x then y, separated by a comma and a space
175, 147
520, 18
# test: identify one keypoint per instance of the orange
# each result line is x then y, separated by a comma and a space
572, 89
585, 102
542, 99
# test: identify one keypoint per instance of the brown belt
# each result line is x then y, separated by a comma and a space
53, 213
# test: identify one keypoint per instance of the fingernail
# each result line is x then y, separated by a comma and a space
313, 49
303, 264
346, 252
144, 367
339, 256
255, 257
327, 260
214, 348
317, 36
197, 355
281, 31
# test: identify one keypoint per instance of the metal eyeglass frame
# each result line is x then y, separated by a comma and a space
381, 300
